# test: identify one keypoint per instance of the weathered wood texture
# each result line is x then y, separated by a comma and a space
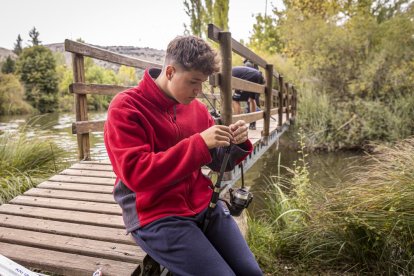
225, 80
97, 53
70, 225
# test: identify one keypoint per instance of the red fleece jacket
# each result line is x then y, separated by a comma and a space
157, 152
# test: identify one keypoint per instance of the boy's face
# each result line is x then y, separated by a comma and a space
184, 86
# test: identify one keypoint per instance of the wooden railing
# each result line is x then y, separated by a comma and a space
277, 101
284, 97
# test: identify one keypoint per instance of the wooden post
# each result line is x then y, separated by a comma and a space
225, 77
268, 98
81, 107
280, 109
287, 101
294, 101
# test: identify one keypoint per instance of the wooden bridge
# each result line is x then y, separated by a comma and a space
70, 224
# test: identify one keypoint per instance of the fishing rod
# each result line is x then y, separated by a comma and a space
239, 199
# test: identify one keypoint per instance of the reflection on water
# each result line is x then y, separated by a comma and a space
58, 127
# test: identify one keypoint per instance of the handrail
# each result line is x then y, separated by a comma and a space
101, 54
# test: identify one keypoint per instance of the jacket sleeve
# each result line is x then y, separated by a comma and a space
132, 154
237, 154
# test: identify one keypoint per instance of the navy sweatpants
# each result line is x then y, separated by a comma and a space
179, 244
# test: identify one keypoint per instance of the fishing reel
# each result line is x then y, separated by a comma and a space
239, 200
216, 116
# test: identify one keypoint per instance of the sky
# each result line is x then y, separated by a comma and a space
141, 23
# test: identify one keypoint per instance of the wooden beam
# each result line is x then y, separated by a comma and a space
248, 117
95, 52
82, 127
280, 106
268, 99
225, 77
100, 89
245, 85
81, 107
214, 34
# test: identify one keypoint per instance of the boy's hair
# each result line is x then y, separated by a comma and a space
192, 53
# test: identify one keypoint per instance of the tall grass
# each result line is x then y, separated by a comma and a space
331, 125
24, 162
365, 225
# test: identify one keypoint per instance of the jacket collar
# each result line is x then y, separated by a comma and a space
152, 92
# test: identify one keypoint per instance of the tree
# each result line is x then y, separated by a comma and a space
18, 46
265, 35
221, 14
194, 10
11, 96
34, 35
8, 66
201, 13
37, 69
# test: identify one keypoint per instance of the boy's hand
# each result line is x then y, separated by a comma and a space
217, 136
239, 131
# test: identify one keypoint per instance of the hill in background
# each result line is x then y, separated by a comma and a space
146, 53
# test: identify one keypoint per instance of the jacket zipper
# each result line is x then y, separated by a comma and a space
187, 185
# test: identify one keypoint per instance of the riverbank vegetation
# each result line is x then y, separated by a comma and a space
46, 77
352, 64
26, 161
363, 225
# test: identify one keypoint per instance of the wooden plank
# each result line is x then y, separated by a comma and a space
68, 244
67, 204
245, 85
90, 188
64, 263
214, 34
98, 89
94, 52
98, 162
83, 196
82, 127
92, 167
66, 228
63, 215
83, 179
249, 117
81, 172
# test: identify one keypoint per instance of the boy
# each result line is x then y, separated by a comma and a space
158, 137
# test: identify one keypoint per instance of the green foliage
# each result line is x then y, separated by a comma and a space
25, 162
34, 35
265, 36
201, 13
36, 67
8, 66
18, 48
127, 76
11, 96
363, 225
194, 10
99, 75
221, 14
359, 54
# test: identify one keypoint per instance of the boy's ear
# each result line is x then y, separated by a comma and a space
169, 71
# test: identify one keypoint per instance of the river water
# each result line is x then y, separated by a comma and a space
326, 169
